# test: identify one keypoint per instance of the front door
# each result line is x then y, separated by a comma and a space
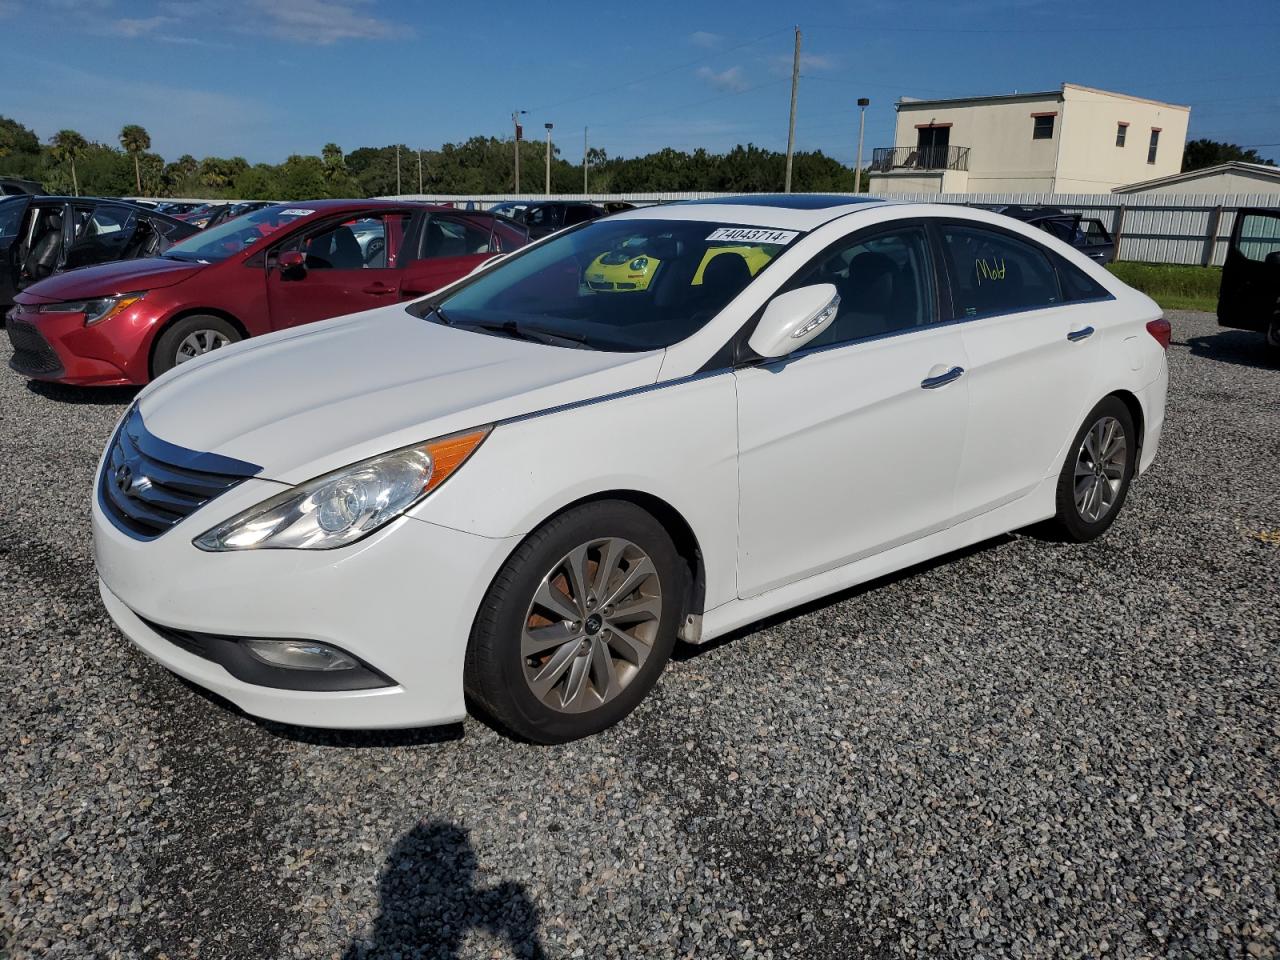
852, 446
1250, 288
12, 218
349, 267
1031, 363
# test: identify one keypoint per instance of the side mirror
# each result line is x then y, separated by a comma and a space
292, 265
794, 318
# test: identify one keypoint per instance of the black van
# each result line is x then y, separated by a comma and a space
1249, 297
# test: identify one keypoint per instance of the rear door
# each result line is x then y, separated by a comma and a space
446, 248
102, 234
12, 211
1031, 361
1250, 289
351, 265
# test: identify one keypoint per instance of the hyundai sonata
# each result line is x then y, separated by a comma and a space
521, 491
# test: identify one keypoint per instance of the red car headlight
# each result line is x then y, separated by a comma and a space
97, 309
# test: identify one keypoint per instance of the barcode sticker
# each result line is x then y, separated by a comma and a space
753, 235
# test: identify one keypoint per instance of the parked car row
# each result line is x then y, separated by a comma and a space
270, 269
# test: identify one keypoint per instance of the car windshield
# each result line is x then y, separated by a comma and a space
625, 285
231, 236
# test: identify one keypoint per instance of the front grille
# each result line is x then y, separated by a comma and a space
148, 485
32, 355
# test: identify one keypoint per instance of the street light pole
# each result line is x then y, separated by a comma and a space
397, 169
419, 172
548, 186
791, 125
515, 122
584, 161
863, 103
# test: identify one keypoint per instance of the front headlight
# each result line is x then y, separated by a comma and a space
348, 504
98, 309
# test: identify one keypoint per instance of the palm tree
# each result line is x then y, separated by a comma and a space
136, 141
334, 163
66, 146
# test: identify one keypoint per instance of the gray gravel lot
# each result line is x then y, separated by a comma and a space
1027, 750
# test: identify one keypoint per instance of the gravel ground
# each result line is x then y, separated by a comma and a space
1027, 750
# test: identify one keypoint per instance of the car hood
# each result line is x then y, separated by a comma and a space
299, 403
122, 276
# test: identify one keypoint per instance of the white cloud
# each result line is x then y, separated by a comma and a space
137, 27
320, 22
732, 80
701, 38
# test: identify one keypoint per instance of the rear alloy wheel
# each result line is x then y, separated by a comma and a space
1099, 467
189, 338
577, 626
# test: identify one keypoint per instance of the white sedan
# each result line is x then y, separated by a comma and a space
525, 488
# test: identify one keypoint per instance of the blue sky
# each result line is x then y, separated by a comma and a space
265, 78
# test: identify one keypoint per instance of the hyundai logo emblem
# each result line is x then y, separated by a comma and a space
128, 482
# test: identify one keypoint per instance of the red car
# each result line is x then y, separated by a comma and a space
126, 323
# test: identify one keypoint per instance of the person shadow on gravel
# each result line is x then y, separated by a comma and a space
428, 902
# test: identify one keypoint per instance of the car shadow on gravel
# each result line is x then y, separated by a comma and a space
428, 901
688, 651
96, 396
1239, 347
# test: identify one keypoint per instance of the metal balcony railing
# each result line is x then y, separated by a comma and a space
884, 159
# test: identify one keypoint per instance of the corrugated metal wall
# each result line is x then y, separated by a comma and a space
1157, 228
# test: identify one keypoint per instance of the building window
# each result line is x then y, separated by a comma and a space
1043, 129
1122, 128
1155, 142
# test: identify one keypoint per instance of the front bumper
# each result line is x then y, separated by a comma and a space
402, 601
58, 347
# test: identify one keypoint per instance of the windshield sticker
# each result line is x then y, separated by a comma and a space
296, 212
753, 235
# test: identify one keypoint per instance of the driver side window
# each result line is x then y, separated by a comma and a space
885, 282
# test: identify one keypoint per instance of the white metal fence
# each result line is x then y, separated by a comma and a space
1156, 228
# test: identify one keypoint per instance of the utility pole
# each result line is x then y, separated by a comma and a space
397, 169
791, 127
419, 172
863, 103
548, 189
515, 122
584, 161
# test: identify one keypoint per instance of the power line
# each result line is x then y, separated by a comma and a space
1055, 28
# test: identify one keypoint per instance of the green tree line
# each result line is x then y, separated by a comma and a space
70, 163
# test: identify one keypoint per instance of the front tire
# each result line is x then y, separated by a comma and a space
578, 624
191, 337
1098, 470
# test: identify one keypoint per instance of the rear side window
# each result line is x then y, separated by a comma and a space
1078, 285
579, 213
453, 237
993, 273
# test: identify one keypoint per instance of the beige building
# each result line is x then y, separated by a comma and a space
1072, 140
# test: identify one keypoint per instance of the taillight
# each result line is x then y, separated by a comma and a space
1161, 330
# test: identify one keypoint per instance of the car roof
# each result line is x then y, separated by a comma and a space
790, 211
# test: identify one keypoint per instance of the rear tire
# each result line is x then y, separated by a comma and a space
554, 655
191, 337
1096, 475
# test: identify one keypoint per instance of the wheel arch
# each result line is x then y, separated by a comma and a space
1134, 406
682, 536
159, 330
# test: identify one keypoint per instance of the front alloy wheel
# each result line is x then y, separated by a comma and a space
591, 625
578, 624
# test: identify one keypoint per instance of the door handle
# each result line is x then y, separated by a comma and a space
378, 289
1082, 334
942, 379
